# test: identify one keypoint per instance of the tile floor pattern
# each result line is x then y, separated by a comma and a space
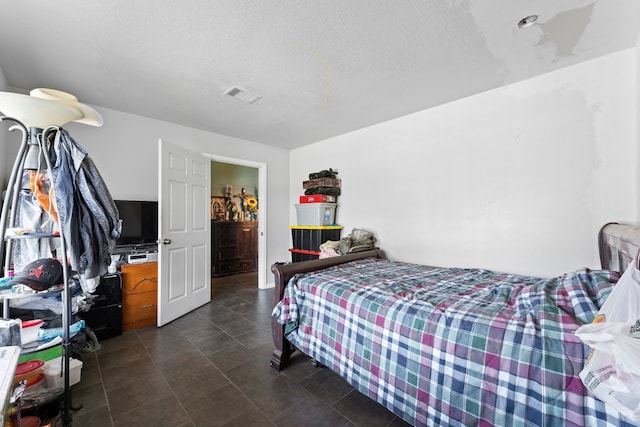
211, 368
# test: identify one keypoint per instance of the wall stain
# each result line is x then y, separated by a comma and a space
565, 30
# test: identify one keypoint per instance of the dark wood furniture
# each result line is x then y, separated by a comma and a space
234, 247
282, 274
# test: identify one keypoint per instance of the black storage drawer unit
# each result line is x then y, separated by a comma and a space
105, 317
109, 291
105, 322
297, 255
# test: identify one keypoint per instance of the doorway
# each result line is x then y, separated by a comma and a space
219, 187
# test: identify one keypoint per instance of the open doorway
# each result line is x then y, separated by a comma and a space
230, 200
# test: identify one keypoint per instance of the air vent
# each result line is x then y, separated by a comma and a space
242, 95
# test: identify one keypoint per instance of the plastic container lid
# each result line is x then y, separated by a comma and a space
31, 323
30, 330
31, 372
26, 367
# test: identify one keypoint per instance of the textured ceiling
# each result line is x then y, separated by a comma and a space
322, 67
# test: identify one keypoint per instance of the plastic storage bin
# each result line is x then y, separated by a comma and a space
30, 371
307, 240
29, 330
35, 386
316, 213
53, 372
299, 255
310, 238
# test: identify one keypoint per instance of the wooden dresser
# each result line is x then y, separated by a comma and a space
234, 247
139, 295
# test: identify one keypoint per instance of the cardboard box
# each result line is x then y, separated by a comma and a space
321, 182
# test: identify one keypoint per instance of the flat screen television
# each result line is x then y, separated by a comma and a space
139, 222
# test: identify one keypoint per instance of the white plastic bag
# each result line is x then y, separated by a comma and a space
612, 370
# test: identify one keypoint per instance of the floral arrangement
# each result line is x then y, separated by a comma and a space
252, 203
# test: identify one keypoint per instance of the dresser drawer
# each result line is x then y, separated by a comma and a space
138, 278
139, 295
139, 309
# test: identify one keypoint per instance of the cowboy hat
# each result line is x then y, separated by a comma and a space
34, 112
89, 115
47, 107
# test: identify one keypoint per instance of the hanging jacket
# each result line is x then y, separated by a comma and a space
89, 219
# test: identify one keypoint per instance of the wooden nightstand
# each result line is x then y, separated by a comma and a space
139, 295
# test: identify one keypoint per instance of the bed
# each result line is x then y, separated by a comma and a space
452, 346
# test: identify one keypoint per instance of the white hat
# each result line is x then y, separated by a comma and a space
89, 115
47, 107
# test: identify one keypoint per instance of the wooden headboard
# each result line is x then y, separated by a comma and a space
618, 245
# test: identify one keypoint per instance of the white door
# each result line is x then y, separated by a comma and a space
184, 281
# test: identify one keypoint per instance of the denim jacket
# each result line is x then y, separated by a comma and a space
89, 219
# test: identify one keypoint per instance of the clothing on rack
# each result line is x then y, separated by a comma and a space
41, 187
89, 219
30, 215
87, 216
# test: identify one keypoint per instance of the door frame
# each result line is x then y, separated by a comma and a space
262, 210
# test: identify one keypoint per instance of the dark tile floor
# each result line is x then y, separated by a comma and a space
211, 368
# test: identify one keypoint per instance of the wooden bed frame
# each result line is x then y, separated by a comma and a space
618, 245
284, 272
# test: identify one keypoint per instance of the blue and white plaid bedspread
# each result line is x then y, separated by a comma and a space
450, 346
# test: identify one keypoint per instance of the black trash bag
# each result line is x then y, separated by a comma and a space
323, 174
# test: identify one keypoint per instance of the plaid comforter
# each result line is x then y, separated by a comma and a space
450, 346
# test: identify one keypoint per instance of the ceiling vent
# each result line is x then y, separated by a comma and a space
242, 95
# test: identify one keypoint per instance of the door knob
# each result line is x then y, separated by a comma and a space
166, 242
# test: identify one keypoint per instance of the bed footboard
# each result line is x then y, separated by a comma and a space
282, 273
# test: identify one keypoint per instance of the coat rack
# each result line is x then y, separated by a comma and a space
38, 116
34, 144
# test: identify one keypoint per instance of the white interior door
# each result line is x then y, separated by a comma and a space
184, 282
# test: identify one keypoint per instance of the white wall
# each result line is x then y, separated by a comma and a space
637, 92
238, 177
125, 150
5, 163
517, 179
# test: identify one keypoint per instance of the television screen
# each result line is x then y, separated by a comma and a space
139, 222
